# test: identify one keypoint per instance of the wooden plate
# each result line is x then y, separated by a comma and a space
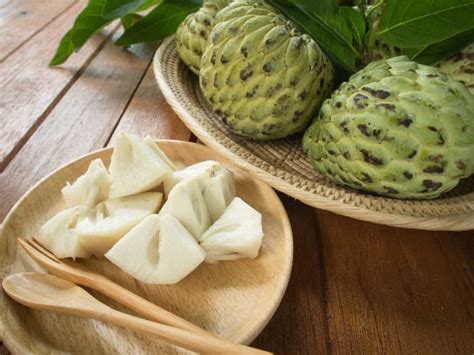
233, 299
283, 164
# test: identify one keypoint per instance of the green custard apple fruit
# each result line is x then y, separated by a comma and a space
192, 33
375, 47
396, 128
460, 67
261, 74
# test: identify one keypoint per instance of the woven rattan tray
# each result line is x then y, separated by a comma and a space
283, 165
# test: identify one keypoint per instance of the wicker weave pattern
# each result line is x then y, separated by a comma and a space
285, 160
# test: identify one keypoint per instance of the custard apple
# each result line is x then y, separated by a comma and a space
375, 47
192, 33
460, 67
261, 74
396, 128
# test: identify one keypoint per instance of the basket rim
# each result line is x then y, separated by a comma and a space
448, 222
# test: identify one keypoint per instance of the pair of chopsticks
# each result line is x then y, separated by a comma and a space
148, 310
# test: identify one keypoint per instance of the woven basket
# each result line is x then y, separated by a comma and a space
283, 165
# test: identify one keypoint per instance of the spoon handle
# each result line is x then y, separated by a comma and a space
200, 343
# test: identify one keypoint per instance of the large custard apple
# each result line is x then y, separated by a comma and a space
396, 128
192, 33
261, 74
460, 67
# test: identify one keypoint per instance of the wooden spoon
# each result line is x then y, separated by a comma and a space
51, 293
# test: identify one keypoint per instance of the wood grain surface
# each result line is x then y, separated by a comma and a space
356, 287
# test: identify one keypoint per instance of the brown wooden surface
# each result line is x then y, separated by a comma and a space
356, 287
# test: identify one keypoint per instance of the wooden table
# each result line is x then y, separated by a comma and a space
356, 287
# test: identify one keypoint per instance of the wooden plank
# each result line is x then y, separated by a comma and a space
21, 19
82, 121
149, 114
396, 291
299, 326
29, 88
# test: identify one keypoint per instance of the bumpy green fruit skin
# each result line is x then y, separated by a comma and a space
460, 67
376, 48
192, 33
262, 75
396, 128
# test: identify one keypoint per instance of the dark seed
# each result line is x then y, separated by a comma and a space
406, 122
338, 104
431, 185
219, 112
343, 125
381, 94
461, 165
302, 94
213, 58
363, 129
391, 190
436, 169
366, 178
386, 106
243, 50
224, 60
376, 132
267, 68
331, 152
412, 154
346, 155
202, 34
408, 175
368, 158
440, 136
357, 100
246, 73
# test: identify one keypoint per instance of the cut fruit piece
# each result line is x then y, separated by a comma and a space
236, 234
186, 203
59, 235
201, 171
219, 192
89, 189
112, 219
137, 166
159, 250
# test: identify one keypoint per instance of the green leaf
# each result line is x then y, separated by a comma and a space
129, 20
356, 22
161, 22
119, 8
321, 19
87, 23
146, 4
435, 52
416, 23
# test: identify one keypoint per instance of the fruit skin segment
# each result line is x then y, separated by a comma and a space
137, 166
159, 250
261, 74
396, 128
103, 226
90, 188
192, 33
460, 67
59, 235
236, 234
186, 203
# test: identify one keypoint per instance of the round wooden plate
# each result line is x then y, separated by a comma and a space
233, 299
283, 164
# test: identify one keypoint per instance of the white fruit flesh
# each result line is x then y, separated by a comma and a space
159, 250
137, 166
201, 171
112, 219
90, 188
186, 203
60, 236
219, 192
236, 234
